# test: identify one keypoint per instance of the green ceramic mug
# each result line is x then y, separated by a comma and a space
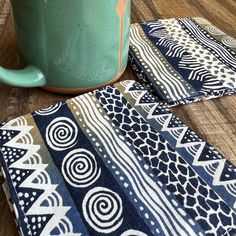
70, 46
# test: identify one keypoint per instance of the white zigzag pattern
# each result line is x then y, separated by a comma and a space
197, 71
55, 207
179, 133
174, 50
165, 40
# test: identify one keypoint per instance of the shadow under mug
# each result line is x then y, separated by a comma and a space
70, 46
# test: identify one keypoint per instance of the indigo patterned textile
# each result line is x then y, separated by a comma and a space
184, 60
114, 162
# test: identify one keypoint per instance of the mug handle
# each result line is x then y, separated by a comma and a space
28, 77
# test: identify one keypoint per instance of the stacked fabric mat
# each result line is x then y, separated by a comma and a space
114, 162
184, 60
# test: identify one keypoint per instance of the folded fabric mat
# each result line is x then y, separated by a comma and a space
184, 60
113, 162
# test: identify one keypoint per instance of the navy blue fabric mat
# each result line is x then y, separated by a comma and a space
114, 162
183, 60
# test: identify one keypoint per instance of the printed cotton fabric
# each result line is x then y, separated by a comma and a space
113, 162
183, 60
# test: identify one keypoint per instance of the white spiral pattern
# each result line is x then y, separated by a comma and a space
214, 30
103, 210
229, 41
80, 169
133, 232
201, 20
50, 110
61, 134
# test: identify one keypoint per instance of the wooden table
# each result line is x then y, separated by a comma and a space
214, 120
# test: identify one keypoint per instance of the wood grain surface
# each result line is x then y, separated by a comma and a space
214, 120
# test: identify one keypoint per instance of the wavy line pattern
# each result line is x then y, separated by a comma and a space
207, 60
172, 83
199, 57
176, 132
159, 154
145, 189
220, 51
217, 34
115, 162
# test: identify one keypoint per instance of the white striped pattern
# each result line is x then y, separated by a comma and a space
148, 192
219, 49
210, 83
171, 83
165, 40
207, 60
174, 50
213, 30
197, 72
